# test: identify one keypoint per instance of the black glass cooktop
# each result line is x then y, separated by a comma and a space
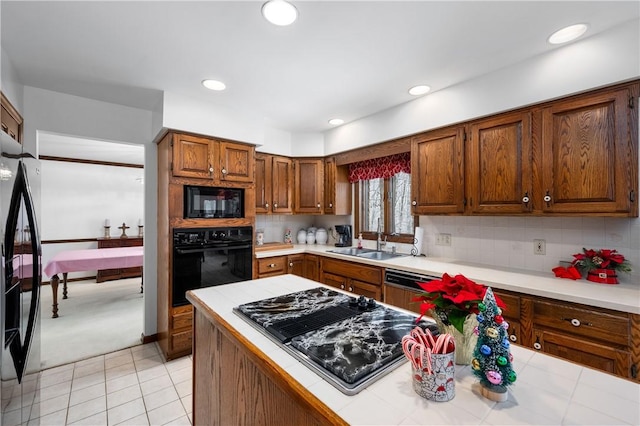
348, 341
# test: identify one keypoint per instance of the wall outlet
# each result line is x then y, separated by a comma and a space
539, 247
443, 239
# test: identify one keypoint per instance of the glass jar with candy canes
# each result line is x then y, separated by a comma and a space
492, 357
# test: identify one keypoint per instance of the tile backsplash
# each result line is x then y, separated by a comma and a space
496, 240
508, 241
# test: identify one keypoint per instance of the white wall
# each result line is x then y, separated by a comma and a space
596, 61
10, 84
76, 198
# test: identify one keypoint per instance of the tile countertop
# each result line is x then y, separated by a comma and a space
624, 297
548, 390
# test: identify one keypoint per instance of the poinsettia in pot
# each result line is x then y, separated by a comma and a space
602, 265
453, 303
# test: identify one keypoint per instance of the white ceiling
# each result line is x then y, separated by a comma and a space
340, 59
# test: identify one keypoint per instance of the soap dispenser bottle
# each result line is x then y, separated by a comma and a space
360, 240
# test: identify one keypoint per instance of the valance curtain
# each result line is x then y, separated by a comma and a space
383, 167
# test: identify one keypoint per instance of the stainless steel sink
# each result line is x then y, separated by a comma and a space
380, 255
366, 253
351, 251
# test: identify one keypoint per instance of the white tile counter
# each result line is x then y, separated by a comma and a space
624, 297
548, 390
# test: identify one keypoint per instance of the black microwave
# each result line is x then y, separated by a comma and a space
213, 202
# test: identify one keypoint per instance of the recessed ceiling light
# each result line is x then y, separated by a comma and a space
214, 85
567, 34
336, 121
419, 90
279, 12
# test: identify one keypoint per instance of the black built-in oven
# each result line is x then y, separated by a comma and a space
206, 257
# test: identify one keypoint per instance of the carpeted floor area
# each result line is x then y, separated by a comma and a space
96, 319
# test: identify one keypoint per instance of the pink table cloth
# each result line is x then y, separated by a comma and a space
94, 259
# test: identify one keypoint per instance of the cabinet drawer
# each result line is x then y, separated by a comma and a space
272, 265
181, 317
181, 342
607, 326
368, 274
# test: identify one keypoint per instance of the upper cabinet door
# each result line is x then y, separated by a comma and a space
282, 188
193, 157
437, 171
589, 154
309, 194
337, 189
499, 176
263, 182
236, 162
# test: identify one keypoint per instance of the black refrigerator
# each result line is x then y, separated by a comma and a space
20, 279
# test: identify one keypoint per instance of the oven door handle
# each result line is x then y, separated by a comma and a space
203, 249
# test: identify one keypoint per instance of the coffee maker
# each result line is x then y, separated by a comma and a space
344, 235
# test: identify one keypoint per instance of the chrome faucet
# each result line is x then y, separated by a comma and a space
379, 242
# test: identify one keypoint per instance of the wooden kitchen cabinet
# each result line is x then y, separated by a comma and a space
212, 159
11, 119
116, 274
357, 278
312, 267
337, 189
589, 150
270, 266
180, 337
437, 171
499, 175
309, 185
274, 184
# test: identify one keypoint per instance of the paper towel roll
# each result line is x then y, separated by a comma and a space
418, 236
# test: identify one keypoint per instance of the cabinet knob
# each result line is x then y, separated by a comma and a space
318, 205
331, 205
224, 171
513, 338
576, 322
290, 264
210, 169
547, 198
266, 205
342, 286
272, 265
275, 205
526, 199
414, 203
350, 288
537, 346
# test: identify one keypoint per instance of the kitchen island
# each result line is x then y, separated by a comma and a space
242, 377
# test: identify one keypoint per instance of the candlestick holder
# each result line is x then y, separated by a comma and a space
140, 230
124, 227
107, 232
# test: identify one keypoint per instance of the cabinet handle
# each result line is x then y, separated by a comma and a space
537, 346
342, 286
266, 205
210, 169
513, 338
290, 264
272, 265
576, 322
275, 205
525, 199
547, 199
351, 289
318, 205
224, 171
414, 203
331, 205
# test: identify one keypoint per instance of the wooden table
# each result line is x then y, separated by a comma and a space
89, 260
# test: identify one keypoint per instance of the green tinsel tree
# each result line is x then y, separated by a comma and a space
492, 357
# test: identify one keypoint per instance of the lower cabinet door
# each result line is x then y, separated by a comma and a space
334, 281
591, 354
370, 291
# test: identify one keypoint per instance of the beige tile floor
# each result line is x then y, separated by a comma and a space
133, 386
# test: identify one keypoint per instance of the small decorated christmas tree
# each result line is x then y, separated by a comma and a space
492, 356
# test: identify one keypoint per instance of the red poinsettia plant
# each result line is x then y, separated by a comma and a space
452, 299
601, 259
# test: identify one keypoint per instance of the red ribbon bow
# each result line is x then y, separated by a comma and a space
571, 272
